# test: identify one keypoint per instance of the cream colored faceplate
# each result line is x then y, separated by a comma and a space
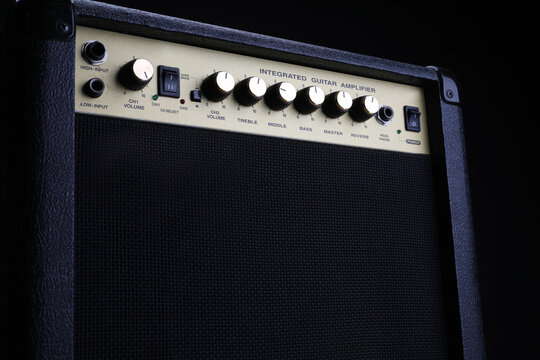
196, 64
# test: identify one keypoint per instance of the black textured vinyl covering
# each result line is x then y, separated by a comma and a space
201, 244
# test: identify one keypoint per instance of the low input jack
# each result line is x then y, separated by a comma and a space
94, 87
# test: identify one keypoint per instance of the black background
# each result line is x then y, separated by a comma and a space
491, 52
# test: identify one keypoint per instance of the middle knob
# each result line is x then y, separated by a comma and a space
249, 91
337, 104
280, 95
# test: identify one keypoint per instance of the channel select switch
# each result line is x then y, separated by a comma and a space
169, 81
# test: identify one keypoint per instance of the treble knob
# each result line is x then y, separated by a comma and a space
218, 86
337, 104
309, 99
249, 91
136, 74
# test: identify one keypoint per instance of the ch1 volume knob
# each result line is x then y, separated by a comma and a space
363, 108
136, 74
337, 104
280, 95
309, 99
218, 86
249, 91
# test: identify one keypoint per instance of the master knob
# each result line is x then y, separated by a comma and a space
280, 95
363, 108
337, 104
309, 99
136, 74
218, 86
249, 91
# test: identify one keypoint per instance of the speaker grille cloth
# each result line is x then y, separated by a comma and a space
201, 244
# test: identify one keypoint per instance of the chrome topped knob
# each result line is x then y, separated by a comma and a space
218, 86
337, 104
280, 95
136, 74
309, 99
363, 108
249, 91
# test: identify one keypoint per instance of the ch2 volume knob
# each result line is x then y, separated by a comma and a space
218, 86
249, 91
280, 95
309, 99
136, 74
363, 108
337, 104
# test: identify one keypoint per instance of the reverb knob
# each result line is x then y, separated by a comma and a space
280, 95
218, 86
337, 104
309, 99
363, 108
136, 74
249, 91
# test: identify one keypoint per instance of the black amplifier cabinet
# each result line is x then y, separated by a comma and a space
187, 191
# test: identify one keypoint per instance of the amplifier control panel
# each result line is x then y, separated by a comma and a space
120, 75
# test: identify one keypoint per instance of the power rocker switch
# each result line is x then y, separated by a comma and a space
412, 118
168, 81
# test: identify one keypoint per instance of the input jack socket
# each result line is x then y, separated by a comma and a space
94, 52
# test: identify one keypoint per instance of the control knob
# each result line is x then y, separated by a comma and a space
309, 99
337, 104
218, 86
363, 108
280, 95
136, 74
249, 91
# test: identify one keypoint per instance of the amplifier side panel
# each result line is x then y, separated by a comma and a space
42, 197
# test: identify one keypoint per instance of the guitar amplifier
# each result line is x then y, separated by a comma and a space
188, 191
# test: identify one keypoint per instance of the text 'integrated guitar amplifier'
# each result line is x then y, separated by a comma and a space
197, 192
132, 77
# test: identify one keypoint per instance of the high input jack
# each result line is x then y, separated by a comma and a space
94, 52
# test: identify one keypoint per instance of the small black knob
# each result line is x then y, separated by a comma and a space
337, 104
309, 99
249, 91
136, 74
218, 86
363, 108
94, 87
280, 95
